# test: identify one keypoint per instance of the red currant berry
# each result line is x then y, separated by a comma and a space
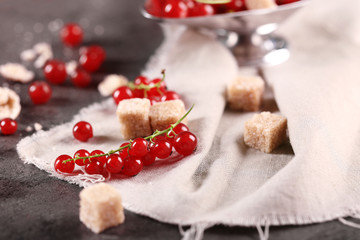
170, 95
185, 143
114, 163
161, 149
39, 92
200, 9
71, 34
94, 49
8, 126
139, 147
141, 80
101, 159
90, 61
83, 131
178, 129
175, 9
154, 7
82, 153
60, 166
124, 153
236, 6
132, 166
122, 93
162, 84
282, 2
148, 159
94, 167
81, 78
55, 71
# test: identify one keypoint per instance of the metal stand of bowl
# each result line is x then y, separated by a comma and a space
249, 34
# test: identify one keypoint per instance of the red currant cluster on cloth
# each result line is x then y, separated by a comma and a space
194, 8
155, 90
130, 158
90, 59
8, 126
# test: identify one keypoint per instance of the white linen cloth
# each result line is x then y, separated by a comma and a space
225, 182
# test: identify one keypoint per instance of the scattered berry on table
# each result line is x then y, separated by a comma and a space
8, 126
39, 92
72, 34
81, 78
55, 71
83, 131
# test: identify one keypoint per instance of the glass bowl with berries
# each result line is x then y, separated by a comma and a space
245, 26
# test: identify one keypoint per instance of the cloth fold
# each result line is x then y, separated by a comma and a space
224, 182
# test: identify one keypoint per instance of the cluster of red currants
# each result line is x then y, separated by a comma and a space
193, 8
90, 60
130, 158
155, 90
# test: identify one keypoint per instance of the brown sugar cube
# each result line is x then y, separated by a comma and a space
163, 114
100, 207
259, 4
133, 115
245, 93
265, 131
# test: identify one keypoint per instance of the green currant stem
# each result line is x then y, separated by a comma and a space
150, 138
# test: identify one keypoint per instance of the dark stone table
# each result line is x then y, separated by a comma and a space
36, 206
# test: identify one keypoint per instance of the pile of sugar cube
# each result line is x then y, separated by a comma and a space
264, 131
138, 118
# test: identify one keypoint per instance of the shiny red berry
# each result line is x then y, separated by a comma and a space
139, 147
148, 159
39, 92
82, 131
94, 49
200, 9
236, 6
124, 153
55, 71
94, 167
71, 34
81, 78
122, 93
170, 95
178, 129
60, 166
81, 153
161, 148
185, 143
114, 163
8, 126
141, 80
101, 159
90, 61
154, 7
175, 9
282, 2
132, 166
